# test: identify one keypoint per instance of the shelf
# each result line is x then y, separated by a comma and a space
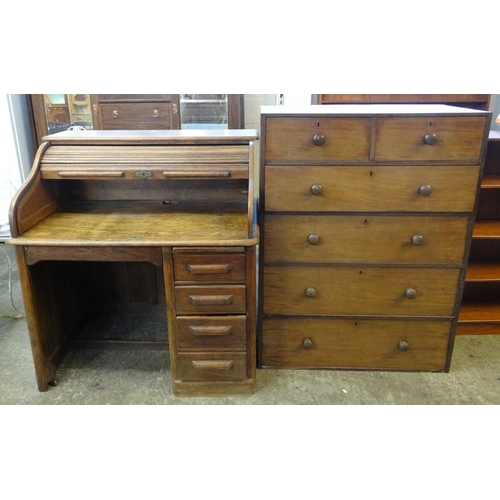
490, 182
479, 318
486, 229
483, 271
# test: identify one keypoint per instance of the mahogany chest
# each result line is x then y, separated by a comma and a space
366, 220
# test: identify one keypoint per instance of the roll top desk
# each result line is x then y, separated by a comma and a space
150, 218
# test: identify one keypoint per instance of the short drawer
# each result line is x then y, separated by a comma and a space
209, 267
430, 138
212, 366
367, 238
357, 343
211, 332
313, 140
306, 290
208, 299
143, 116
361, 189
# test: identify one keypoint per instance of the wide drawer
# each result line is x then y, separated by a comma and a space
210, 332
306, 290
212, 366
143, 116
313, 140
430, 138
382, 189
220, 299
370, 344
354, 238
209, 267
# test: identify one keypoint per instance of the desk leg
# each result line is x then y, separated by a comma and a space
45, 371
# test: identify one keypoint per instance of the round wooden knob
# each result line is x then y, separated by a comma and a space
316, 189
313, 239
425, 190
403, 346
319, 140
307, 344
417, 240
430, 139
310, 292
410, 293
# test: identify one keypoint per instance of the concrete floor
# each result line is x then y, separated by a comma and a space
127, 377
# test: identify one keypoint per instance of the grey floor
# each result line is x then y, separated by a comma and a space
127, 377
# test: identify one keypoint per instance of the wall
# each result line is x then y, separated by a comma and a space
17, 153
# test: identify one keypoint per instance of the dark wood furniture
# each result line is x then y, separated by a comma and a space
480, 310
143, 223
124, 112
366, 221
135, 111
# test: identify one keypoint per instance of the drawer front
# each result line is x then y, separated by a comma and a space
209, 332
354, 238
338, 343
306, 290
212, 366
210, 299
143, 116
292, 140
430, 138
209, 267
360, 189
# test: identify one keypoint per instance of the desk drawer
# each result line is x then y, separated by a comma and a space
210, 299
313, 140
430, 138
212, 366
354, 238
364, 189
143, 116
209, 267
209, 332
309, 290
338, 343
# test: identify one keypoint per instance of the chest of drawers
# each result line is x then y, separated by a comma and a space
366, 220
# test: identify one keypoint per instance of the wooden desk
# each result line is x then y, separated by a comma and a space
128, 221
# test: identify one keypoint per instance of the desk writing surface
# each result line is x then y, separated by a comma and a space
139, 223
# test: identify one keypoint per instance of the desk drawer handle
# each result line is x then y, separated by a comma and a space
211, 300
199, 331
87, 173
319, 140
411, 293
213, 365
195, 175
155, 113
114, 114
209, 268
430, 139
310, 292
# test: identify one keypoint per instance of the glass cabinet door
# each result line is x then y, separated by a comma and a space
63, 111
